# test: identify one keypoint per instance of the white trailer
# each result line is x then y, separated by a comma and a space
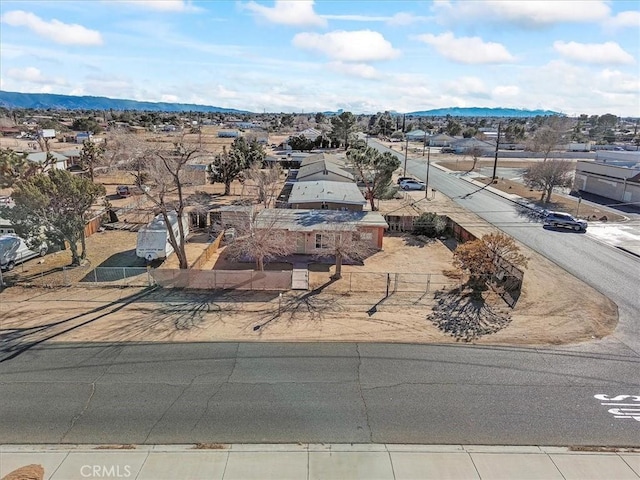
153, 239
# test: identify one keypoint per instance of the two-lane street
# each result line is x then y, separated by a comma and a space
310, 392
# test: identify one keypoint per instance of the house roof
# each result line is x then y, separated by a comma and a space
304, 220
441, 137
319, 157
326, 191
322, 166
416, 133
41, 157
310, 133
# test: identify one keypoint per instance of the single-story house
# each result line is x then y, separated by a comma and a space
312, 230
82, 136
326, 195
309, 133
323, 170
440, 140
618, 182
416, 135
465, 144
59, 161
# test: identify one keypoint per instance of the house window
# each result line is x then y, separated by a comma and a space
366, 236
321, 242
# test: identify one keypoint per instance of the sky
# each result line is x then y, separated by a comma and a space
570, 56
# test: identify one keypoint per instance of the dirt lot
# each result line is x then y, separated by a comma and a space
554, 307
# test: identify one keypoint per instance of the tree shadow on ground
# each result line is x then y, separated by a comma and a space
309, 303
15, 341
466, 316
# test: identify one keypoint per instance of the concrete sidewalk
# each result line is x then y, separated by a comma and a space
319, 461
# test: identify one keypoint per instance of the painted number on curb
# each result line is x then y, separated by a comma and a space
626, 406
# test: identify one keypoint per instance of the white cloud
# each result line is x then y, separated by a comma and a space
403, 18
355, 46
33, 75
63, 33
470, 86
163, 5
503, 91
617, 82
469, 50
361, 70
295, 13
533, 13
169, 98
597, 53
630, 18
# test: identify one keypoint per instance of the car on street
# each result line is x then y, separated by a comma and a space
412, 185
562, 219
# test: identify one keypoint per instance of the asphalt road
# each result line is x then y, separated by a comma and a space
609, 270
342, 393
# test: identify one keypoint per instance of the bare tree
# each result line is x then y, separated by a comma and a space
545, 176
342, 239
549, 136
259, 234
166, 168
480, 258
475, 153
266, 181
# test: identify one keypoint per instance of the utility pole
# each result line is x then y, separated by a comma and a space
406, 147
424, 143
495, 160
426, 183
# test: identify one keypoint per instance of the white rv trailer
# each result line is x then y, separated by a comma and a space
153, 239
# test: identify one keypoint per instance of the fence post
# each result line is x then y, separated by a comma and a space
388, 283
95, 275
124, 275
148, 275
428, 282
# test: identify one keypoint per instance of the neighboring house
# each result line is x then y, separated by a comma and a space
464, 144
326, 195
416, 135
440, 140
309, 229
321, 157
309, 133
82, 136
615, 181
323, 170
59, 161
73, 156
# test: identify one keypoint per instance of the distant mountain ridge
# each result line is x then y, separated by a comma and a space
483, 112
70, 102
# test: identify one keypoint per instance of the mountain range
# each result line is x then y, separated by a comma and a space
70, 102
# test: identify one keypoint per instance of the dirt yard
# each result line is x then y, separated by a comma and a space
554, 307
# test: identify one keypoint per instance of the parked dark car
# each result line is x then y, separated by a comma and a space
561, 219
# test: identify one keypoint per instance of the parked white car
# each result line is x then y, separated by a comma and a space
412, 185
14, 250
